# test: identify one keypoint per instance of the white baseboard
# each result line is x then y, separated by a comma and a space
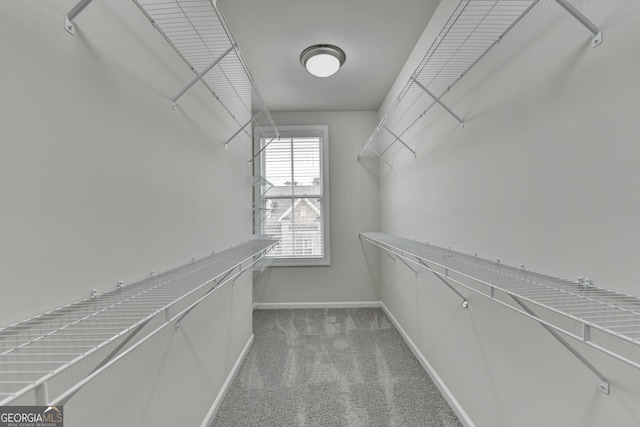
302, 305
225, 387
450, 398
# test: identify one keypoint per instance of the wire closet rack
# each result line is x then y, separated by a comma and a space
606, 320
36, 350
198, 32
472, 30
261, 187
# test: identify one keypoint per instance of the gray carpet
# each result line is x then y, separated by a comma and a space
331, 367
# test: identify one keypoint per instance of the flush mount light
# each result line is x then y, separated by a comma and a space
322, 60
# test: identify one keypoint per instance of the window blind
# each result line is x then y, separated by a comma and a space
292, 207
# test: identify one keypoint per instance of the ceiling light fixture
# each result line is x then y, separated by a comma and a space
322, 60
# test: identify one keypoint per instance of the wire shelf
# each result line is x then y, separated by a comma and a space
577, 309
35, 350
261, 188
471, 31
198, 32
263, 264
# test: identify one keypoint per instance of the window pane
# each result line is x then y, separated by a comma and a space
276, 223
278, 168
307, 228
306, 156
298, 224
291, 201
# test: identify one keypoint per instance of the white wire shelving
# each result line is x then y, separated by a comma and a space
472, 30
261, 187
36, 350
198, 32
261, 266
603, 319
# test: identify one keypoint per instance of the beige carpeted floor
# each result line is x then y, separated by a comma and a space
331, 367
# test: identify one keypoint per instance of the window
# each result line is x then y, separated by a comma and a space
293, 199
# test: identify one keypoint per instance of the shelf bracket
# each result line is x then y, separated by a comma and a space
200, 76
465, 303
263, 148
384, 251
107, 359
68, 25
395, 257
397, 138
604, 383
596, 33
407, 265
255, 117
377, 154
219, 282
265, 266
437, 100
261, 219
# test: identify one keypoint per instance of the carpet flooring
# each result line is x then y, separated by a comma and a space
331, 367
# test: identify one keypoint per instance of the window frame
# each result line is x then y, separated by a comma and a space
292, 131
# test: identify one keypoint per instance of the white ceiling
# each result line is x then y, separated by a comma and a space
376, 35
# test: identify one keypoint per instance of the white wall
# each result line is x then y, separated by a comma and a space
544, 173
173, 378
102, 181
354, 208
